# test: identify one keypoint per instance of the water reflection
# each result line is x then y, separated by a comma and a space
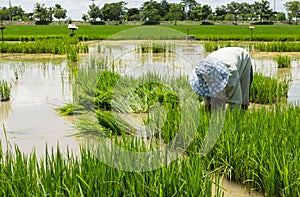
5, 109
125, 56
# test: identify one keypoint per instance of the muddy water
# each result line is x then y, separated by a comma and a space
128, 60
29, 117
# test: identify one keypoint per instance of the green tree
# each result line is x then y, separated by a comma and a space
175, 13
94, 12
133, 14
4, 14
149, 11
41, 13
234, 9
189, 5
206, 12
113, 11
17, 13
293, 8
59, 12
85, 17
280, 16
245, 11
163, 8
220, 12
195, 13
262, 10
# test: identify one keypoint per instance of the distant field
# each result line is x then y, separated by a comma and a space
214, 32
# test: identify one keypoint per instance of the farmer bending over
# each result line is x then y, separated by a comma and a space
225, 74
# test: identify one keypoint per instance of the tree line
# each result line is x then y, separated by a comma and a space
153, 11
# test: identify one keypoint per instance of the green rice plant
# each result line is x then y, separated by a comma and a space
267, 90
71, 109
114, 122
72, 54
283, 61
64, 174
104, 89
283, 33
260, 148
256, 46
277, 46
53, 46
89, 127
5, 90
212, 46
157, 47
256, 148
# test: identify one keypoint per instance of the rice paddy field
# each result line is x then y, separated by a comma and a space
109, 112
215, 33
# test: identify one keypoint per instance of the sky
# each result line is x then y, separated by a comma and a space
76, 8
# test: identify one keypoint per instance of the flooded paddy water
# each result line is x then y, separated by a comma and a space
31, 121
29, 118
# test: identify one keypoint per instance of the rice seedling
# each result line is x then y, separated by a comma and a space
282, 33
260, 149
86, 175
114, 123
156, 47
277, 46
267, 90
257, 149
255, 46
53, 46
283, 61
71, 109
72, 54
5, 90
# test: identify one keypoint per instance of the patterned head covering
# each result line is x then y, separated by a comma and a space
209, 77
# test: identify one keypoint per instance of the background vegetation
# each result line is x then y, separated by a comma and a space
211, 33
154, 11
